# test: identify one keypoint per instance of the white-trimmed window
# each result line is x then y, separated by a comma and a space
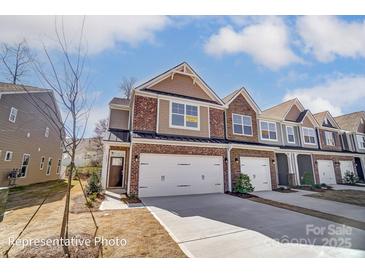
24, 165
242, 124
361, 141
184, 116
41, 166
49, 166
58, 166
8, 156
268, 131
13, 114
330, 139
309, 135
290, 136
46, 132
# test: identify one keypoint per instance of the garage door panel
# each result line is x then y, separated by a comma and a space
346, 166
326, 172
258, 169
183, 174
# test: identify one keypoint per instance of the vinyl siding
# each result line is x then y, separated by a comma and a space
279, 134
296, 136
119, 119
13, 137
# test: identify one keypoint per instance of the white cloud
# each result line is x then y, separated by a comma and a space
267, 41
101, 32
333, 95
329, 36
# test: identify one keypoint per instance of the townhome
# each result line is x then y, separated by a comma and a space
28, 142
175, 136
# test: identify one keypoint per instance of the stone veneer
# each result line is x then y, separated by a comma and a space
137, 149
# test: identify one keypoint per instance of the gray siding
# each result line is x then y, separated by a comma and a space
279, 135
13, 137
119, 119
308, 145
296, 136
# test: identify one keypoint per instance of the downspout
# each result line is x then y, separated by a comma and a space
229, 168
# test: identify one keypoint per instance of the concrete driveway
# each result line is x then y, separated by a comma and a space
220, 225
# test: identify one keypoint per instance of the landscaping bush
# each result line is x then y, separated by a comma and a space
307, 179
317, 186
93, 185
350, 178
243, 184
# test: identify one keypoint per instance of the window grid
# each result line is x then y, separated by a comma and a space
242, 124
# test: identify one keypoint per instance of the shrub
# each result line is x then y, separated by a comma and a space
243, 184
307, 179
317, 186
93, 185
350, 178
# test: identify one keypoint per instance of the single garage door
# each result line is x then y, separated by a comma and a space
346, 166
258, 169
166, 175
326, 172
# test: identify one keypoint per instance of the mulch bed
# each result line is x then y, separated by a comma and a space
309, 188
241, 195
83, 246
78, 204
131, 200
360, 185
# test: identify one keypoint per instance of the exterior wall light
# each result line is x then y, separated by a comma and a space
236, 160
136, 158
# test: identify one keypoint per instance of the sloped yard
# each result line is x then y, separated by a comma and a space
144, 236
354, 197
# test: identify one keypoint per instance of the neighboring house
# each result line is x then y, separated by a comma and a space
175, 136
88, 153
28, 141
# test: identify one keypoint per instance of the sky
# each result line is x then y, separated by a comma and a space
319, 59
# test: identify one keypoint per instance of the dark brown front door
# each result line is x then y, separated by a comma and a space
116, 172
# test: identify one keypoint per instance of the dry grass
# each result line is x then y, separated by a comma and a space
144, 235
354, 197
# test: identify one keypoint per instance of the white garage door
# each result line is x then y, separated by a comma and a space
258, 169
165, 175
326, 172
346, 166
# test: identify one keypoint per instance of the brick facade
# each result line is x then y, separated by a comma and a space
137, 149
322, 137
216, 120
145, 113
336, 164
240, 106
236, 166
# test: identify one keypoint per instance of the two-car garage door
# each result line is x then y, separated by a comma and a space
166, 174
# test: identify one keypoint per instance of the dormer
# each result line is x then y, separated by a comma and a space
329, 132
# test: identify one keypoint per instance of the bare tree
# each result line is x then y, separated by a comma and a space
16, 60
126, 86
100, 128
64, 74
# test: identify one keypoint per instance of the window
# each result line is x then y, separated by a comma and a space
309, 135
8, 156
12, 115
184, 116
46, 133
290, 134
268, 130
242, 124
330, 140
361, 141
49, 166
24, 166
58, 166
41, 166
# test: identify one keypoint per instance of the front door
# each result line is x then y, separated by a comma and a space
116, 171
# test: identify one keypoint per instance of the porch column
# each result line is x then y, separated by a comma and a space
104, 169
295, 156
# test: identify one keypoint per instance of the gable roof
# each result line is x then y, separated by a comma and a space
230, 97
119, 101
321, 116
281, 110
307, 113
185, 69
15, 88
350, 121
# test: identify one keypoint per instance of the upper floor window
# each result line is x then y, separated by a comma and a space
49, 166
290, 134
46, 133
58, 166
361, 141
184, 116
309, 135
42, 163
330, 140
8, 156
13, 114
268, 131
242, 124
24, 165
